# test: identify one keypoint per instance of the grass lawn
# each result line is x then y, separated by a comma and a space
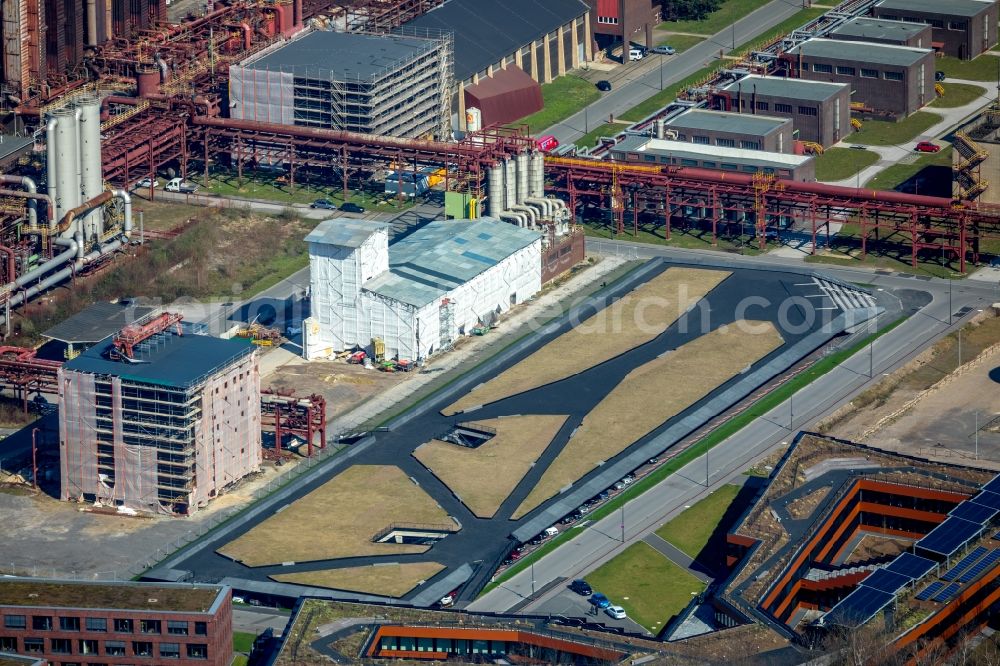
483, 477
389, 580
691, 530
589, 140
884, 133
327, 524
562, 98
839, 163
983, 68
730, 12
650, 588
649, 396
667, 95
959, 94
629, 322
791, 23
892, 177
851, 258
688, 239
681, 43
243, 641
240, 660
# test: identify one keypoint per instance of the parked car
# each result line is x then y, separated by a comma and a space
620, 485
447, 600
180, 185
599, 600
604, 85
348, 207
581, 587
927, 147
324, 204
653, 461
939, 75
663, 50
583, 510
616, 612
635, 54
627, 480
148, 182
547, 143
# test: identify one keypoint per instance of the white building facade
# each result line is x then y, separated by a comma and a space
434, 285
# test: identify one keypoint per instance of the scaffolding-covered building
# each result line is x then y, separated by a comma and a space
387, 85
155, 420
419, 294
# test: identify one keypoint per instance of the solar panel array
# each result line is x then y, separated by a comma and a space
975, 512
859, 607
963, 564
947, 593
886, 581
931, 589
994, 485
911, 565
980, 566
950, 535
987, 498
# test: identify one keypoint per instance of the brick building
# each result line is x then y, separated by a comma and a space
623, 21
885, 77
820, 111
747, 131
960, 28
91, 624
883, 31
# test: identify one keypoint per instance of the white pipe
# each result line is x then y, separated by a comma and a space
518, 218
50, 167
127, 200
529, 212
55, 262
548, 208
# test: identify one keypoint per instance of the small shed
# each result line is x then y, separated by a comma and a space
504, 97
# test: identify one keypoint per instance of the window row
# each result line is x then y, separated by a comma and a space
608, 20
851, 71
118, 625
725, 143
88, 646
960, 26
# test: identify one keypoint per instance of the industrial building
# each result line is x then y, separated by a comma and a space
156, 420
747, 131
621, 21
883, 31
544, 38
646, 150
95, 323
896, 80
74, 622
387, 85
960, 28
420, 294
508, 95
820, 111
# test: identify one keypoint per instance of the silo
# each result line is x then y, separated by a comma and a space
495, 190
67, 163
91, 179
510, 184
536, 186
522, 177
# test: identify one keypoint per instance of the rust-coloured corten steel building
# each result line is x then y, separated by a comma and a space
960, 28
884, 31
622, 21
70, 622
504, 97
885, 77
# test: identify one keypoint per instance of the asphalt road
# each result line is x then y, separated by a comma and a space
647, 78
601, 541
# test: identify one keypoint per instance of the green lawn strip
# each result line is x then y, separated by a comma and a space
678, 238
243, 641
901, 264
730, 12
240, 660
692, 528
667, 95
589, 140
681, 43
958, 94
706, 443
562, 98
983, 68
791, 23
650, 587
839, 163
885, 133
892, 177
263, 186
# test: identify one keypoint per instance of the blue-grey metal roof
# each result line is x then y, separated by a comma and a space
97, 322
865, 27
486, 31
725, 121
342, 56
442, 255
180, 361
792, 89
344, 231
861, 52
967, 8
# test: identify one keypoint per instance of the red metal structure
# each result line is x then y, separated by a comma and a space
132, 335
284, 413
24, 373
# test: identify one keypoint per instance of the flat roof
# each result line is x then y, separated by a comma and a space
486, 32
11, 144
179, 361
866, 27
779, 86
338, 56
444, 254
183, 598
345, 231
97, 322
940, 7
862, 52
725, 121
683, 149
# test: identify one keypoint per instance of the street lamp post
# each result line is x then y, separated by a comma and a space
34, 458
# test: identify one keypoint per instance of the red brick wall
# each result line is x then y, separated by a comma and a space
562, 256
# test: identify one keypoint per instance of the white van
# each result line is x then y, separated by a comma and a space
635, 54
180, 185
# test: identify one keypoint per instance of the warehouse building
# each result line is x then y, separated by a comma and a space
960, 28
731, 130
646, 150
387, 85
898, 80
544, 38
156, 420
420, 294
883, 31
820, 111
75, 622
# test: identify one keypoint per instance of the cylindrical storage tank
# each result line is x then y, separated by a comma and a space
522, 177
661, 126
473, 119
510, 184
494, 190
537, 184
51, 166
147, 81
67, 164
91, 179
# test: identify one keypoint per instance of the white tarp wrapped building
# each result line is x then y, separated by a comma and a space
421, 293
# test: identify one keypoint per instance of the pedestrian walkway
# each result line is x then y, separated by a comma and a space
676, 555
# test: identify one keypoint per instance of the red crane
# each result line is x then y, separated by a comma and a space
126, 339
